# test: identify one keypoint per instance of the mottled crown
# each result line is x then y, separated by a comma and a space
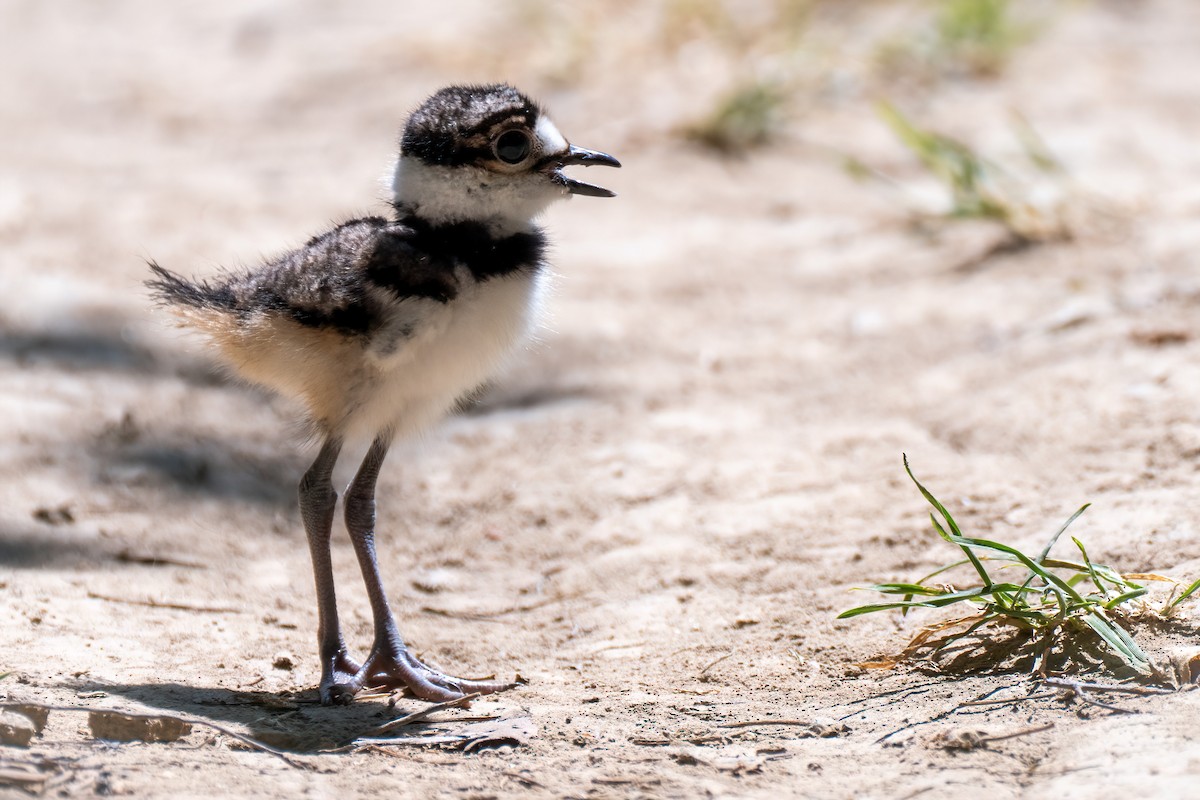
456, 124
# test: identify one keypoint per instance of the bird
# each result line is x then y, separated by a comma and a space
382, 324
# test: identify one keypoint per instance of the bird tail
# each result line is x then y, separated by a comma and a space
172, 290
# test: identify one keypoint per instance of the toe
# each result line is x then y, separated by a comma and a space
339, 694
399, 669
464, 686
430, 692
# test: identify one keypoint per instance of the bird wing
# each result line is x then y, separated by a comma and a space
340, 280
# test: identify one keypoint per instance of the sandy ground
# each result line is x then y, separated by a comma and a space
656, 514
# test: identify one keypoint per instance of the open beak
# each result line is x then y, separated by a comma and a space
580, 155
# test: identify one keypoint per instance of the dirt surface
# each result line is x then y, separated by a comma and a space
656, 514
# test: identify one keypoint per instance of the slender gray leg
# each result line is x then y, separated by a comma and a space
317, 501
390, 663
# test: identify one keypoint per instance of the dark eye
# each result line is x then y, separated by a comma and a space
512, 147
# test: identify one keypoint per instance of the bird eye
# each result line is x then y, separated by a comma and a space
512, 147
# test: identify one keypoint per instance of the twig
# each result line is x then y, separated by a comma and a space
1078, 690
916, 793
633, 780
1085, 698
1064, 683
130, 557
1081, 689
157, 604
646, 741
464, 615
1013, 242
617, 647
904, 694
713, 664
188, 720
366, 748
758, 722
526, 781
420, 741
20, 776
911, 725
1004, 701
661, 742
490, 616
1015, 734
417, 716
468, 718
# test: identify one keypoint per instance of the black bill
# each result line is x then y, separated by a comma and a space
588, 158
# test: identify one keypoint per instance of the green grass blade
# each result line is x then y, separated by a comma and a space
1062, 563
972, 559
1042, 618
954, 529
1091, 569
869, 609
937, 526
935, 601
1035, 147
921, 143
1061, 589
1126, 597
933, 501
921, 581
905, 588
1187, 593
1103, 570
1041, 559
1038, 569
1115, 578
1119, 640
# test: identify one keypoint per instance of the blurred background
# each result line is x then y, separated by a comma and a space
963, 229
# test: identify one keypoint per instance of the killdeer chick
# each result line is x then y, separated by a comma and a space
379, 326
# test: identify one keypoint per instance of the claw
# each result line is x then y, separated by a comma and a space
339, 680
340, 694
397, 668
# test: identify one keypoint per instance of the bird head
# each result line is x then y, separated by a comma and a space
487, 154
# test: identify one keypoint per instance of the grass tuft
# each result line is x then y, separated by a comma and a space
749, 116
966, 174
1031, 209
972, 38
1055, 600
978, 35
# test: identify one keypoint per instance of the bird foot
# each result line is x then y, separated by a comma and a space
394, 667
339, 679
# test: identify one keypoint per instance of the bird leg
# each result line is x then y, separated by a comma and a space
317, 501
390, 663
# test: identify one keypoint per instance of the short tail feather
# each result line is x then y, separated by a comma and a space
170, 289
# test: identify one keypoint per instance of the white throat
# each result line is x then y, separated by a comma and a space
505, 202
444, 194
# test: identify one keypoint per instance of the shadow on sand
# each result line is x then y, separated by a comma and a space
295, 722
35, 546
202, 465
